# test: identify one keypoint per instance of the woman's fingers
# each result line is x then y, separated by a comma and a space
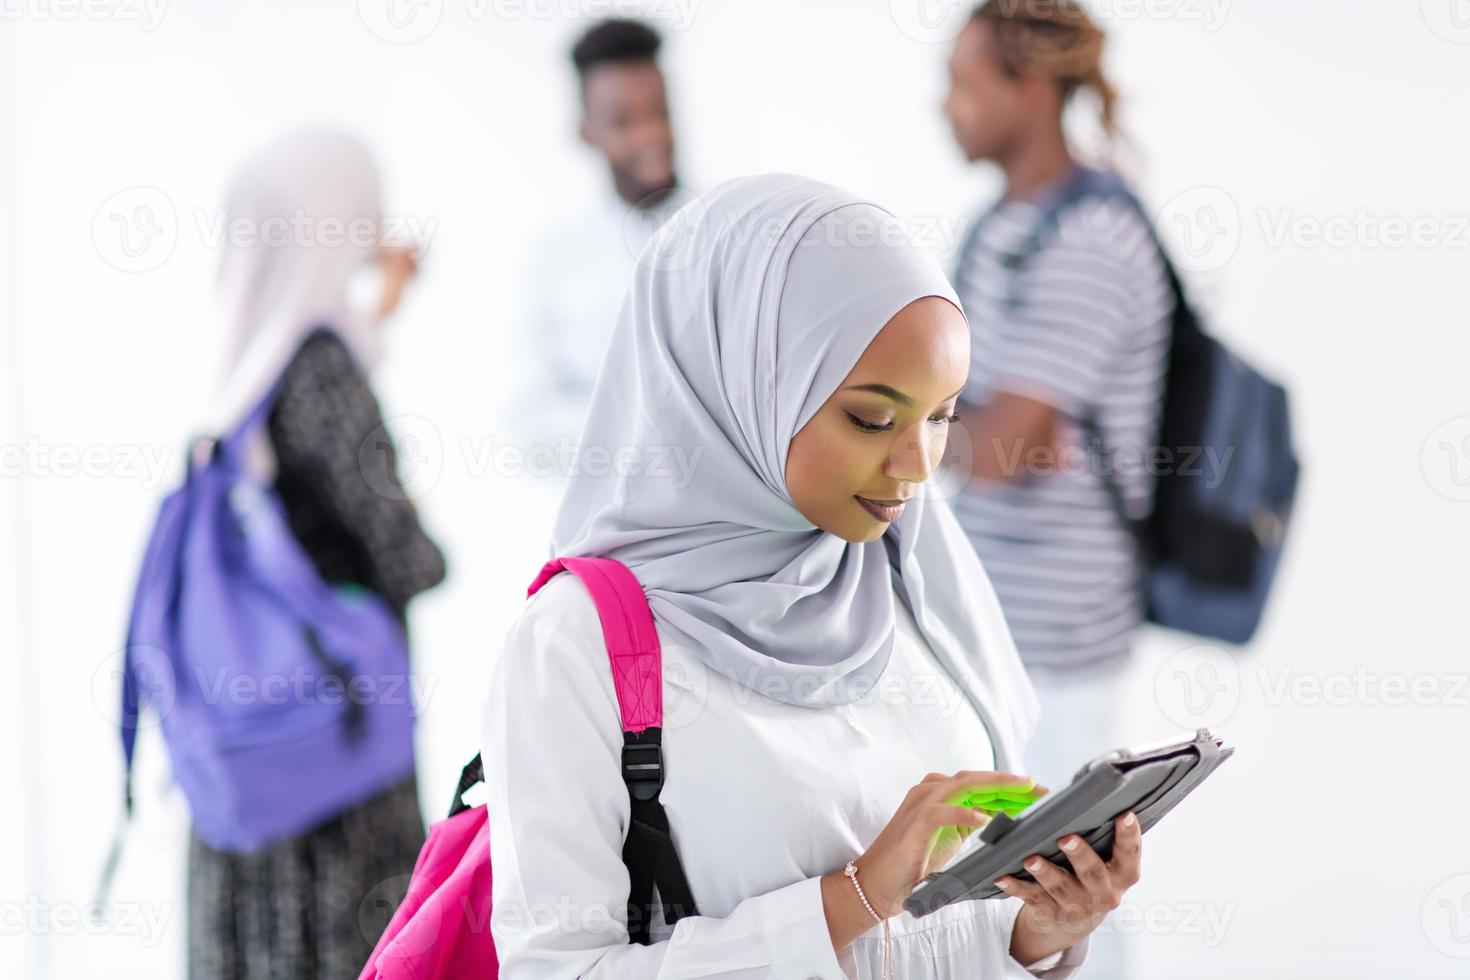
955, 787
1127, 851
1027, 891
1058, 884
1088, 868
939, 815
984, 779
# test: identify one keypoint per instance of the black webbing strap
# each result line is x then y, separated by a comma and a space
471, 775
649, 851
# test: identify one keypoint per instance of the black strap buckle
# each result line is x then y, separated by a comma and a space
643, 763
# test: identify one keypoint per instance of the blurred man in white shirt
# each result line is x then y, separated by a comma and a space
587, 263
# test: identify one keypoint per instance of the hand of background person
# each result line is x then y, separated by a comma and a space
400, 264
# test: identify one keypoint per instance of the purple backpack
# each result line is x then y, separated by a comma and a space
283, 700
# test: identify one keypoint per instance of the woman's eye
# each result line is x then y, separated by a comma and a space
868, 426
944, 419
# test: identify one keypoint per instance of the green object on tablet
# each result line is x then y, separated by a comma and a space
1009, 800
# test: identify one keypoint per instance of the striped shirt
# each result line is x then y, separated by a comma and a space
1079, 319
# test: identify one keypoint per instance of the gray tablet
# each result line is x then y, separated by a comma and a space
1148, 780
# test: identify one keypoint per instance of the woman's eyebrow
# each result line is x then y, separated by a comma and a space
888, 391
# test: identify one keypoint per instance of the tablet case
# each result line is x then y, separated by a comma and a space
1149, 781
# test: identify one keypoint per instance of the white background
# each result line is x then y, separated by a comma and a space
1329, 847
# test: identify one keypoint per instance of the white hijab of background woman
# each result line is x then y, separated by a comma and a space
744, 315
302, 217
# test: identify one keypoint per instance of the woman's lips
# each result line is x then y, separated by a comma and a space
884, 511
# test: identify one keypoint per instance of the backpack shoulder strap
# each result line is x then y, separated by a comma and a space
637, 667
1089, 183
628, 631
1086, 183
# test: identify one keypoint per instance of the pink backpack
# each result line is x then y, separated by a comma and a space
442, 929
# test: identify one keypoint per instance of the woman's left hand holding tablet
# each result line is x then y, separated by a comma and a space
1063, 907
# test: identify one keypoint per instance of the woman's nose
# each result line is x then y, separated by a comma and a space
916, 453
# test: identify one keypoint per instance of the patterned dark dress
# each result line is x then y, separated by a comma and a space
311, 908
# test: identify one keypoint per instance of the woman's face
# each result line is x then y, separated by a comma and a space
883, 431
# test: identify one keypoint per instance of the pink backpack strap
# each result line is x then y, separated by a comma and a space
638, 678
628, 631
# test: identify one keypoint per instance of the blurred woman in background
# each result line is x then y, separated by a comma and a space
1069, 310
303, 222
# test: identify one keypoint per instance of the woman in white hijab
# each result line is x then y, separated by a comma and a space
836, 669
302, 219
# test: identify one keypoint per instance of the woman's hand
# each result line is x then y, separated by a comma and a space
923, 833
1062, 908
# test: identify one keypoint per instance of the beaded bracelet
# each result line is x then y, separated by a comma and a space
851, 872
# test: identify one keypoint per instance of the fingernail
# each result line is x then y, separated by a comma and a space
1070, 844
1033, 865
1130, 820
1003, 885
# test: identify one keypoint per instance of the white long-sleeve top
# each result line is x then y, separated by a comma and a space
763, 798
578, 275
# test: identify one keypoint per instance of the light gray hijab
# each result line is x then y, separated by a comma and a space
745, 313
